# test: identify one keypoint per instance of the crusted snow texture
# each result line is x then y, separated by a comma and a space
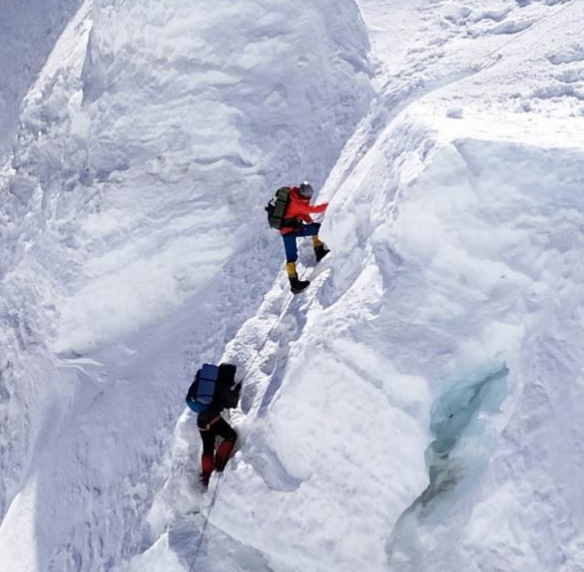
148, 146
29, 31
417, 408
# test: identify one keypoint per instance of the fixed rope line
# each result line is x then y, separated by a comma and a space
220, 477
526, 31
267, 337
206, 522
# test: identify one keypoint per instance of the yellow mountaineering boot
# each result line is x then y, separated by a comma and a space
320, 249
296, 285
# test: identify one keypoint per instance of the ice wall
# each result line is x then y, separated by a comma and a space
28, 31
506, 496
132, 217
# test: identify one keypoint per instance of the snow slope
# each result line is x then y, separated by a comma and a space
132, 226
417, 408
452, 237
29, 30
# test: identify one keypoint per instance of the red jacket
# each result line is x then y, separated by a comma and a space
300, 209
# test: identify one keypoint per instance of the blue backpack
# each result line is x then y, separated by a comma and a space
214, 386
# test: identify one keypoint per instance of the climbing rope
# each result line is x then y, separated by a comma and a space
267, 337
206, 521
516, 37
284, 309
220, 477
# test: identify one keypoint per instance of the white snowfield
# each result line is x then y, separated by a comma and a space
417, 409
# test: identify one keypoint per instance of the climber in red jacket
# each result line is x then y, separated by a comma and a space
297, 213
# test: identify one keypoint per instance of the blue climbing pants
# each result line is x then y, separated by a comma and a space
290, 239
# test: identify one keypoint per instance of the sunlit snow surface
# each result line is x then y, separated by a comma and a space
417, 408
